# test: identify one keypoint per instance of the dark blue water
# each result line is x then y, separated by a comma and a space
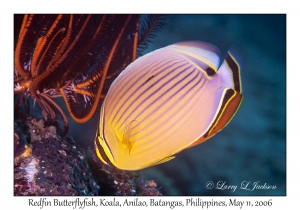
252, 147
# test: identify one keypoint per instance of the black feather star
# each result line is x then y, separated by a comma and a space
151, 24
75, 57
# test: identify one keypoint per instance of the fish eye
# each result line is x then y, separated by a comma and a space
210, 71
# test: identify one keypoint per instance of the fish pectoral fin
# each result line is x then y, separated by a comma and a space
126, 145
162, 161
229, 104
130, 134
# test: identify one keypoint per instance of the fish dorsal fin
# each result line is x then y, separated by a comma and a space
201, 54
230, 73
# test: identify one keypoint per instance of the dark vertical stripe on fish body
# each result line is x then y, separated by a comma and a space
148, 98
147, 89
178, 110
138, 88
170, 97
131, 77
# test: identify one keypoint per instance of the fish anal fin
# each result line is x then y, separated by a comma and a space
166, 159
199, 141
230, 103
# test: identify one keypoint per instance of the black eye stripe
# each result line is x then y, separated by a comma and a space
102, 153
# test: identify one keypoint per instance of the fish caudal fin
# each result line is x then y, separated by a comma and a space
230, 73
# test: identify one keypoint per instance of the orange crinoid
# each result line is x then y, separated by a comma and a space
75, 57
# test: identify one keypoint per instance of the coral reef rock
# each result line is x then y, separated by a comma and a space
48, 164
114, 181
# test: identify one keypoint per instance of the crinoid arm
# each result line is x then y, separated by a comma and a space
110, 50
76, 57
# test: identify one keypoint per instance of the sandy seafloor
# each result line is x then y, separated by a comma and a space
252, 147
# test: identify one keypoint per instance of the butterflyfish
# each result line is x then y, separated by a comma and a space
166, 101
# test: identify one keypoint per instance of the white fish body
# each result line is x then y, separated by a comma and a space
166, 101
